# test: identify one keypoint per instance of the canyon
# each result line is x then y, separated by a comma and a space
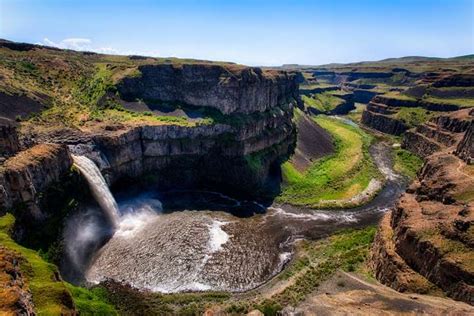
142, 185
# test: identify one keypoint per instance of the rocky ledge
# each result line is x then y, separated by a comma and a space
425, 243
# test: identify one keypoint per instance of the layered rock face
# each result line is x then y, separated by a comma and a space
217, 156
426, 242
26, 175
228, 88
378, 115
440, 133
381, 112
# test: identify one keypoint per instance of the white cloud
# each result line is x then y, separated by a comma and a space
80, 44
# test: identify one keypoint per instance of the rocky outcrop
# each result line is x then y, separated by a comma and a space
465, 149
440, 133
381, 113
428, 235
455, 80
396, 102
9, 143
228, 88
14, 106
420, 144
392, 269
383, 123
27, 174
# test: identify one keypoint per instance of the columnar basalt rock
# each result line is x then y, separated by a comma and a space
228, 88
383, 123
191, 156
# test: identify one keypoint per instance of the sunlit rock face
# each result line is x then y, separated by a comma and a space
228, 88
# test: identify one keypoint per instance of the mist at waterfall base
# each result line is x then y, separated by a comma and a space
196, 240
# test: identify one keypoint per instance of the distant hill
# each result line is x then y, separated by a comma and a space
408, 61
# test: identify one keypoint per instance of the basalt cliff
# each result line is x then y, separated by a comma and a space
425, 243
254, 132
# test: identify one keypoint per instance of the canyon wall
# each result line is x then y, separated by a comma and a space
381, 112
239, 153
425, 243
228, 88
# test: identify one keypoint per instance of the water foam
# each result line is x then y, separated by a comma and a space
217, 236
316, 215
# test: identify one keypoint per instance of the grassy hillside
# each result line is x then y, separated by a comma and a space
323, 102
339, 176
68, 87
51, 296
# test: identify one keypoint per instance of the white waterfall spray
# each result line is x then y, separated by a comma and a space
99, 187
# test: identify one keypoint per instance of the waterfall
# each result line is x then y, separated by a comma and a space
99, 187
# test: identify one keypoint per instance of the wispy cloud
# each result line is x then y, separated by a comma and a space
81, 44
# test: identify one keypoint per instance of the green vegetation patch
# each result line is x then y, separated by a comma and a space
339, 176
399, 96
461, 102
91, 301
51, 296
130, 301
406, 162
414, 116
323, 102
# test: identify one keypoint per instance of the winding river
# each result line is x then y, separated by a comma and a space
194, 240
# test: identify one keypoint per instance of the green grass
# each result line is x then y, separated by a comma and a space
318, 85
414, 116
339, 176
461, 102
91, 302
399, 96
323, 102
50, 295
406, 163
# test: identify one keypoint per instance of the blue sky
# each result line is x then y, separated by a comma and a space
255, 32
